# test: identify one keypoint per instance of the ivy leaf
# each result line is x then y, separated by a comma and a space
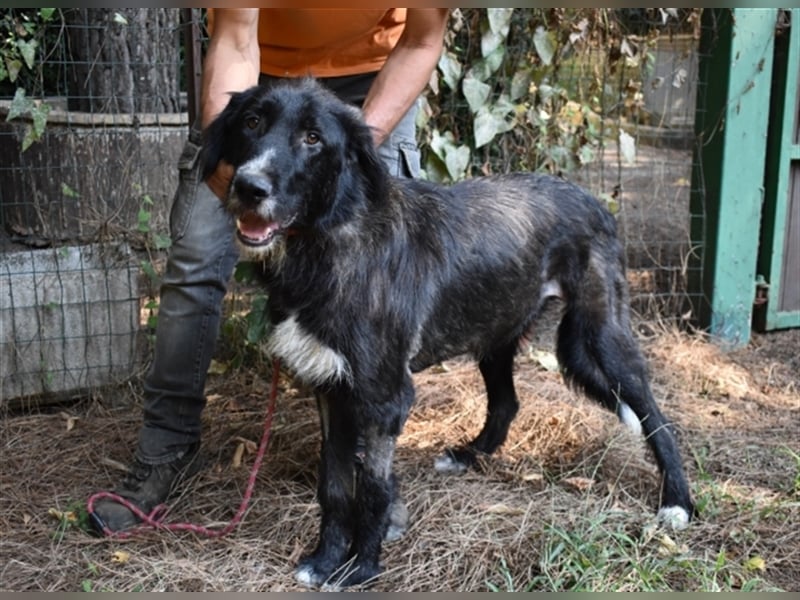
68, 191
483, 69
13, 67
46, 13
520, 84
476, 92
143, 220
457, 160
490, 122
450, 68
20, 105
29, 138
257, 322
490, 41
161, 241
28, 51
499, 21
39, 115
454, 158
544, 45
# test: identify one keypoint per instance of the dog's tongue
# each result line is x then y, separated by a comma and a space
254, 227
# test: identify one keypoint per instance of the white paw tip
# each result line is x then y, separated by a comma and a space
675, 517
447, 464
305, 576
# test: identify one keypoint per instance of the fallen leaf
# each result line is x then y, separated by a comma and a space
547, 360
501, 509
579, 483
26, 518
120, 557
627, 147
249, 445
755, 563
67, 515
69, 419
217, 368
668, 547
237, 456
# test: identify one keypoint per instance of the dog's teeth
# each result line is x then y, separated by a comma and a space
447, 464
255, 228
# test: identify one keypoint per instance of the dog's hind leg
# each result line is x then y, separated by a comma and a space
497, 369
597, 353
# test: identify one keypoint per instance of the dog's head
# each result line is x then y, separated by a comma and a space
304, 162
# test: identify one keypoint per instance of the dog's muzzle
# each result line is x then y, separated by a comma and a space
254, 230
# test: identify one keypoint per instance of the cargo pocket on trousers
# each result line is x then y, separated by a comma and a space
410, 161
188, 179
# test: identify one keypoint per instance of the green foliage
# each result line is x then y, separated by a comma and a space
74, 517
606, 554
247, 325
153, 242
532, 89
20, 33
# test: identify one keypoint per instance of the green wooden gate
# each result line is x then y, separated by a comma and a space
778, 304
745, 223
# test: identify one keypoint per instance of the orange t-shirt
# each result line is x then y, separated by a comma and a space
326, 42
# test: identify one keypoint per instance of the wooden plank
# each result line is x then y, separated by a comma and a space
735, 71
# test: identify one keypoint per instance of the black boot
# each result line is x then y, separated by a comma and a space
146, 486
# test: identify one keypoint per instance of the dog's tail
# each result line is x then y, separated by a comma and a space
598, 354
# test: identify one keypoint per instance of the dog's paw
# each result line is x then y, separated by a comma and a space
398, 521
675, 517
307, 575
447, 464
455, 461
352, 574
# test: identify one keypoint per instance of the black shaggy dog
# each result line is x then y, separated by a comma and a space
372, 278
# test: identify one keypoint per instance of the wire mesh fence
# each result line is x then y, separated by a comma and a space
602, 97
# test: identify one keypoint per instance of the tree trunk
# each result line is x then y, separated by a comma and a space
126, 60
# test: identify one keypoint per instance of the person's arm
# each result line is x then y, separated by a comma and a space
407, 70
232, 64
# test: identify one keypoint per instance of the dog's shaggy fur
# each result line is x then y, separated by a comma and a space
371, 278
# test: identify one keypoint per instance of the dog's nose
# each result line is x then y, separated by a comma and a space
251, 189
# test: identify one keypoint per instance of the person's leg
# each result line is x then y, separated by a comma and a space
199, 266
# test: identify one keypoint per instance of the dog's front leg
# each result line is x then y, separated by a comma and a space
336, 490
375, 492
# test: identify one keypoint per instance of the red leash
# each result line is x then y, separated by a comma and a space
155, 520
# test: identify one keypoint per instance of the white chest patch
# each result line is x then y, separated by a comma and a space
312, 362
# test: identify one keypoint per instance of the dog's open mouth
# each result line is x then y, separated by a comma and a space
255, 230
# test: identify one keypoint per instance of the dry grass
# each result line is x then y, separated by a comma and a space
567, 504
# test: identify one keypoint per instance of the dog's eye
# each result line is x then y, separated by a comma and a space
312, 138
252, 122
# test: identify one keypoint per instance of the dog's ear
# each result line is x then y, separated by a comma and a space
215, 140
370, 164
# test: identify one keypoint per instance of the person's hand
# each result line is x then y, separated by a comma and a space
220, 179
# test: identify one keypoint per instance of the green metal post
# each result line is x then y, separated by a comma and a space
731, 126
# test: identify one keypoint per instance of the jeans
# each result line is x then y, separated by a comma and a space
199, 267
